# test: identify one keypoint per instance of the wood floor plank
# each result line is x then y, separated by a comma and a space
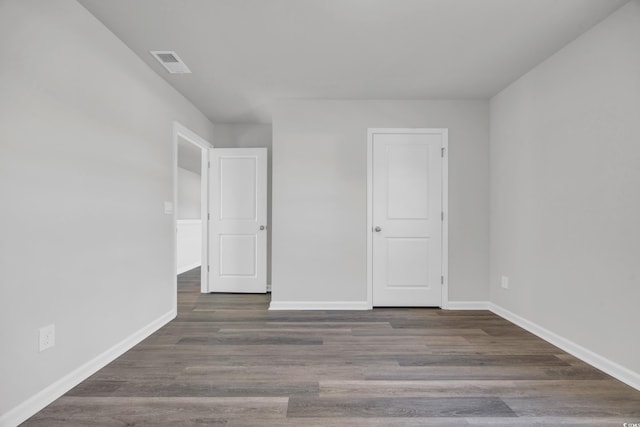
547, 422
421, 373
472, 388
250, 340
154, 411
308, 372
420, 332
480, 360
227, 360
572, 406
300, 407
218, 388
393, 341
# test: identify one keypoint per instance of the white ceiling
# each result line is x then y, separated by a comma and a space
244, 54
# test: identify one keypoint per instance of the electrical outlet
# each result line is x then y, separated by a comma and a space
47, 337
504, 282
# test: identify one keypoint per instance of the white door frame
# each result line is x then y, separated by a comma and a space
445, 205
180, 131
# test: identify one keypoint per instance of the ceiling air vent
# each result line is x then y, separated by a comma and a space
171, 61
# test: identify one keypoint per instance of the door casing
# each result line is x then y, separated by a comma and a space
181, 131
444, 133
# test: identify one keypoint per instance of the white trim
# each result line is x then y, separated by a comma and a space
190, 136
467, 305
369, 218
204, 212
610, 367
445, 220
186, 268
183, 132
35, 403
444, 132
319, 305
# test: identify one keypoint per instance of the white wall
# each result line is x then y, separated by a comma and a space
250, 135
565, 191
189, 224
86, 162
320, 192
188, 195
189, 244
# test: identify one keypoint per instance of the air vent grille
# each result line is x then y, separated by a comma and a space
167, 57
171, 61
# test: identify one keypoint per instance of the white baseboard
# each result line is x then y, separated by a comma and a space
319, 305
610, 367
35, 403
467, 305
185, 268
362, 305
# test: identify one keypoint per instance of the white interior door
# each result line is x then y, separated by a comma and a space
238, 216
407, 218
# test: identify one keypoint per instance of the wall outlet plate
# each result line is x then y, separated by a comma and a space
47, 337
504, 282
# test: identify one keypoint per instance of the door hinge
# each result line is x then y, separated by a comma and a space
208, 268
442, 152
208, 217
442, 216
209, 163
442, 280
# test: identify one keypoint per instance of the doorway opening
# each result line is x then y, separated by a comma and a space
191, 203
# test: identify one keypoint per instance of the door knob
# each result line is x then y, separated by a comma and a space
262, 227
378, 229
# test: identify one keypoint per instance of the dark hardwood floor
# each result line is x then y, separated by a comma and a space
227, 360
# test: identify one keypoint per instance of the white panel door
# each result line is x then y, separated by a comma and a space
238, 215
407, 219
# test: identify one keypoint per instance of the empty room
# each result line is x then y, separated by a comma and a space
319, 213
